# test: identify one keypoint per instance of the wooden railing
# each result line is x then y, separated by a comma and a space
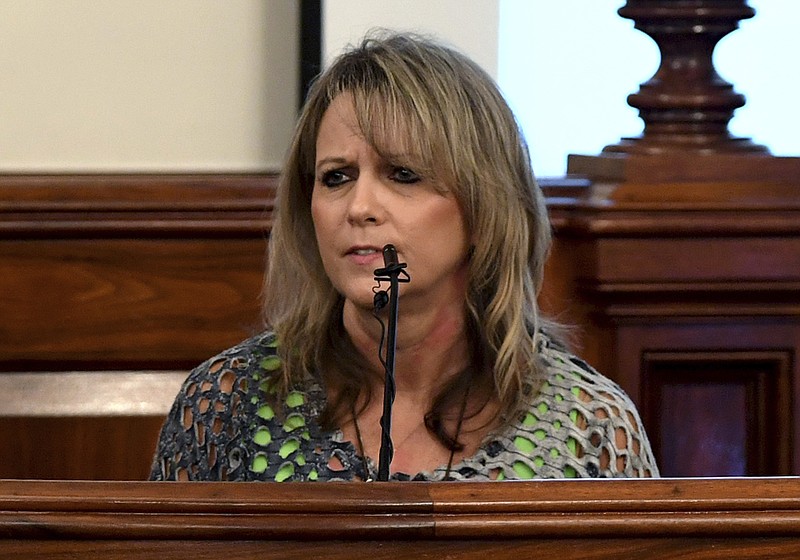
667, 518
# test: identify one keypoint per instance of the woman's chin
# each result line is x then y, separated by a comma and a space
362, 296
361, 301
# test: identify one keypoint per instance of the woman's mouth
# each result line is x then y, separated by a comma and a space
364, 255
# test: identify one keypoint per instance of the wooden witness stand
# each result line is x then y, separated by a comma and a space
687, 518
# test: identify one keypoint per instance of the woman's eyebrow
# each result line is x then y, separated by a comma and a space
329, 160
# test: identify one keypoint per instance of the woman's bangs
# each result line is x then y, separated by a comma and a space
397, 132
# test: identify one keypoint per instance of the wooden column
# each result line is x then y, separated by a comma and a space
678, 253
686, 105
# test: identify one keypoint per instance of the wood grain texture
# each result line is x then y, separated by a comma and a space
510, 549
169, 301
118, 275
102, 206
578, 519
109, 447
138, 269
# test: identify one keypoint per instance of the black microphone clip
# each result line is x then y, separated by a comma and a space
392, 268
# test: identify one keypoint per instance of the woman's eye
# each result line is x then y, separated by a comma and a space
404, 175
334, 178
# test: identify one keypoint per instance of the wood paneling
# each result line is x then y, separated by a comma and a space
685, 290
157, 300
109, 447
719, 413
118, 278
130, 269
677, 292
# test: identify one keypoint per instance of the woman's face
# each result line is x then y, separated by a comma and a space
362, 201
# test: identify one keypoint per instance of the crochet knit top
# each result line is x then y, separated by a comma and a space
228, 423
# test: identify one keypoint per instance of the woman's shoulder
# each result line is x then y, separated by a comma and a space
214, 420
564, 369
255, 356
575, 418
241, 382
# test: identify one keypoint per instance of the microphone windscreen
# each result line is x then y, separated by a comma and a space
389, 255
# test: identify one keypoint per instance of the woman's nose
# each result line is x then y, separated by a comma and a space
364, 205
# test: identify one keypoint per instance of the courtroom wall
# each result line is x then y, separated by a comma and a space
120, 86
181, 86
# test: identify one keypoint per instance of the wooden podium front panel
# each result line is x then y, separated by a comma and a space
720, 413
732, 518
719, 396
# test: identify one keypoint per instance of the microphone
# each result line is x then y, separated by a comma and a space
391, 271
390, 256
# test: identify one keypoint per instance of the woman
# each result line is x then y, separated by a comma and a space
404, 142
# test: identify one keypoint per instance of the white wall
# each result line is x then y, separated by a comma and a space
183, 85
760, 60
146, 85
470, 26
567, 92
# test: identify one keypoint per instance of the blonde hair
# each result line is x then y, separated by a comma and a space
449, 115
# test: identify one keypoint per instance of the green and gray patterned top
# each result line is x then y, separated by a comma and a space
227, 423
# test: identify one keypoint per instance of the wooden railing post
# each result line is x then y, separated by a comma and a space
686, 105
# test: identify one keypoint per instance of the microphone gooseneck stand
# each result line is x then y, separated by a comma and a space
392, 272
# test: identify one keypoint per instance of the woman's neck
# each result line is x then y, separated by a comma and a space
432, 345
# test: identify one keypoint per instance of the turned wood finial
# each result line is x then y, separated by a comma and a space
686, 105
